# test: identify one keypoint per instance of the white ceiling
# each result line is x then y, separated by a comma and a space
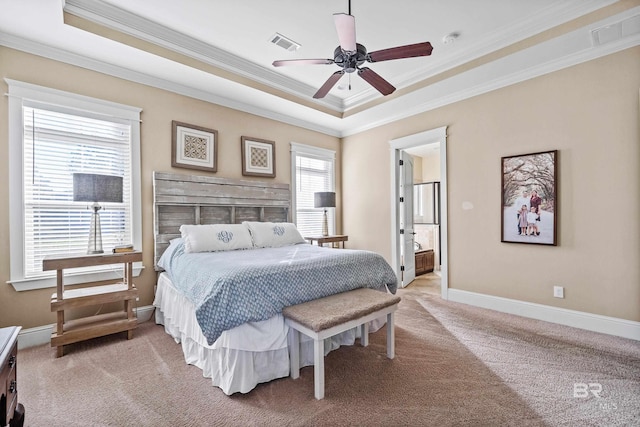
233, 36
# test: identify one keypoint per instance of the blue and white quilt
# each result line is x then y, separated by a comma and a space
230, 288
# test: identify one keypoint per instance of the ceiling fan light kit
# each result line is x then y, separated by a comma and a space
349, 56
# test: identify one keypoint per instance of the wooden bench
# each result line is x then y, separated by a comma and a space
329, 316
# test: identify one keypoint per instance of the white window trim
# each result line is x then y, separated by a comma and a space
310, 151
20, 92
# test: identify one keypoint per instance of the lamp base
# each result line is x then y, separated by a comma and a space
95, 232
325, 225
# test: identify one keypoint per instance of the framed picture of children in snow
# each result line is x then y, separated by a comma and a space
529, 198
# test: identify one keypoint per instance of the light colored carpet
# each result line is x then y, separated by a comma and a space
454, 365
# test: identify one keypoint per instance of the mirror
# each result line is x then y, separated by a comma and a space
426, 203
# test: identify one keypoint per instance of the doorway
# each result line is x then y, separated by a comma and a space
399, 247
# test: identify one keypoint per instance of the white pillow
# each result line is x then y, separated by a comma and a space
274, 234
215, 237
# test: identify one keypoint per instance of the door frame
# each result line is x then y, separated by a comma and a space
438, 135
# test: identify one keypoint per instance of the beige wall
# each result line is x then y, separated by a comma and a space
589, 113
31, 308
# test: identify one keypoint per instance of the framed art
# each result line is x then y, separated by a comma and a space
529, 198
194, 147
258, 157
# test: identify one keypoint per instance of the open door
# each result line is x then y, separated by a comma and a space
406, 220
398, 178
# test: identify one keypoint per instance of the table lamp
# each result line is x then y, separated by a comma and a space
94, 188
324, 199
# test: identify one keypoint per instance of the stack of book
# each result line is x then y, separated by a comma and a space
122, 249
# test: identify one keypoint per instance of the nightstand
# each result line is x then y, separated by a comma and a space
71, 331
334, 240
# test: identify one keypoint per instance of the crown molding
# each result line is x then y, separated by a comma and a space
471, 83
554, 15
488, 86
66, 57
129, 23
118, 19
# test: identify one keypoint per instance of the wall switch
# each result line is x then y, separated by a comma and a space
558, 291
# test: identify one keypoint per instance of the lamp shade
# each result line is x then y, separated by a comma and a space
89, 187
324, 199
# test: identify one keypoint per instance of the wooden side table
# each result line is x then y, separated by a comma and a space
71, 331
334, 240
11, 412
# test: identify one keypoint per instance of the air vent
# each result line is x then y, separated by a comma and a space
284, 42
619, 30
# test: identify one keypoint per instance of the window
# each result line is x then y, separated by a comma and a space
54, 134
312, 170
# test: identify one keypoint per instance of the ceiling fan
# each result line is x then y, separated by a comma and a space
351, 55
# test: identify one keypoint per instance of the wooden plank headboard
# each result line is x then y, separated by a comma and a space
190, 199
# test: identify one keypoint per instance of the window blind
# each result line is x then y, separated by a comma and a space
56, 145
313, 174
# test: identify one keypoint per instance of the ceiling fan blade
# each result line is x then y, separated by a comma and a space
346, 28
374, 79
408, 51
282, 62
326, 87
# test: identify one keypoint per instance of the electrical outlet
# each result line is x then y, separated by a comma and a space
558, 291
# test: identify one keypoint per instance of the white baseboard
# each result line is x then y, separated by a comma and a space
577, 319
42, 334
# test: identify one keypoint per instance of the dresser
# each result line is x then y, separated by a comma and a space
11, 412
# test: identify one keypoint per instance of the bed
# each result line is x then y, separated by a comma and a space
224, 306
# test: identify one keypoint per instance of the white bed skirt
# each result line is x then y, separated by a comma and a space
244, 356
